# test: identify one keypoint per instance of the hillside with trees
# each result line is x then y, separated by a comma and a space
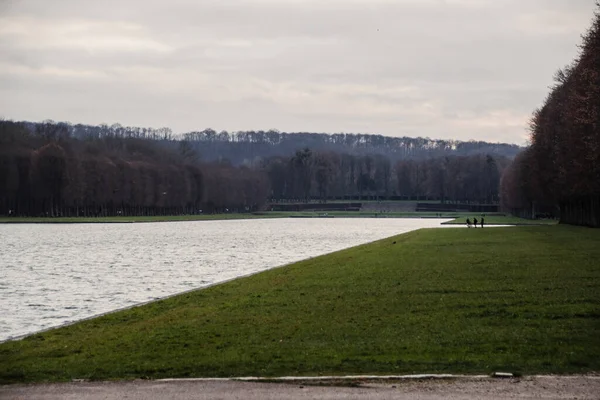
246, 146
48, 171
60, 169
559, 174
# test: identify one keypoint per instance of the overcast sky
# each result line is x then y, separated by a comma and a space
462, 69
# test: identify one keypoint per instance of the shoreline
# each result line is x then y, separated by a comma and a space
207, 286
429, 313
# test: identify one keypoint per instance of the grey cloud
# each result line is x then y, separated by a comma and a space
475, 68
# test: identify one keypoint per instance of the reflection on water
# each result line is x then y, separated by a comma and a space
52, 274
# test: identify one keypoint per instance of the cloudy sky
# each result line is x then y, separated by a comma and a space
463, 69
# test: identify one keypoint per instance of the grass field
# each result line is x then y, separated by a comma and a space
348, 214
165, 218
212, 217
501, 220
337, 201
521, 299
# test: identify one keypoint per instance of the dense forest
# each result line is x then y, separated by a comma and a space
245, 147
240, 147
559, 174
61, 169
325, 175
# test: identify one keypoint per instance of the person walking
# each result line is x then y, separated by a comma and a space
468, 223
482, 222
475, 222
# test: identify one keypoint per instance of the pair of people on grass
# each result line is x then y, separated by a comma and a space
474, 222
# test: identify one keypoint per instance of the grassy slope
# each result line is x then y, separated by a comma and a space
447, 300
377, 214
501, 220
266, 214
165, 218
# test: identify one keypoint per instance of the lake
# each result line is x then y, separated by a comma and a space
52, 274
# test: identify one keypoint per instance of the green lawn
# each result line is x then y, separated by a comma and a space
523, 299
163, 218
366, 201
209, 217
373, 214
500, 220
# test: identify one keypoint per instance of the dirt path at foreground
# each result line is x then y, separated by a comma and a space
539, 387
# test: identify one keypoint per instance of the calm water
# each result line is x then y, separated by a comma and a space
53, 274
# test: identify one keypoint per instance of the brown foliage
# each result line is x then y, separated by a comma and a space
562, 165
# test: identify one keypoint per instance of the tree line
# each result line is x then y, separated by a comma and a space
53, 169
559, 173
46, 171
245, 147
324, 175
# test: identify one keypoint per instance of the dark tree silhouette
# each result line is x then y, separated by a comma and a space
560, 173
59, 168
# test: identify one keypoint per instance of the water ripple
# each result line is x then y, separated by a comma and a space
63, 273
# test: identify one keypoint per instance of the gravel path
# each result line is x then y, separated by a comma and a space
539, 387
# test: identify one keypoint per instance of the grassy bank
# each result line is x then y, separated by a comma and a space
373, 214
106, 220
500, 220
212, 217
448, 300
